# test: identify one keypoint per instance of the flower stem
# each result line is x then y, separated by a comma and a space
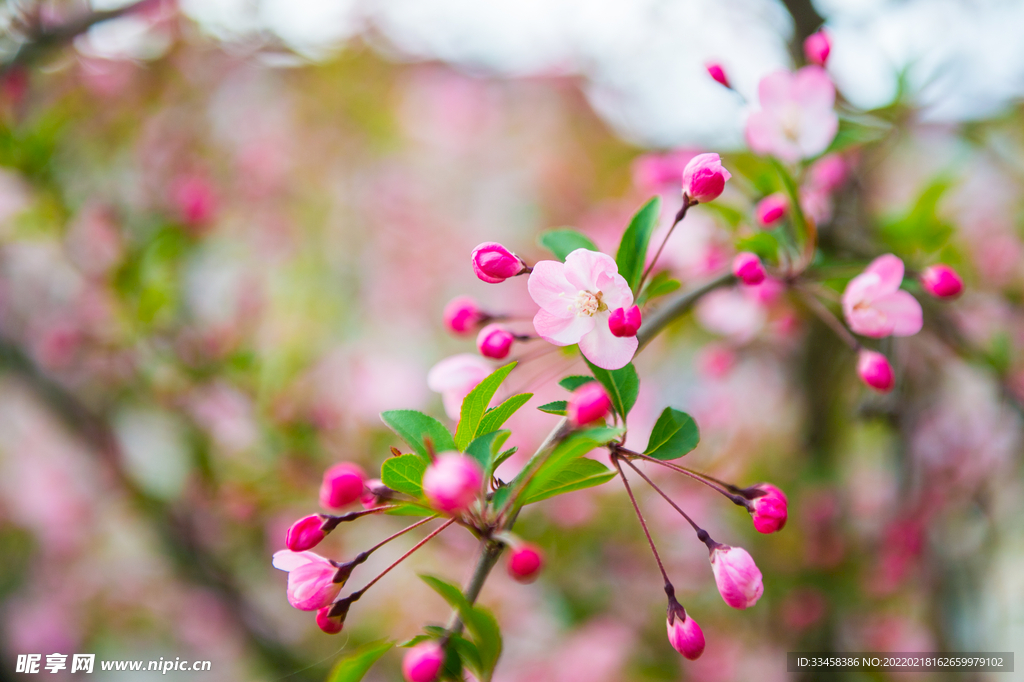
826, 316
359, 593
702, 534
399, 534
643, 524
679, 218
732, 492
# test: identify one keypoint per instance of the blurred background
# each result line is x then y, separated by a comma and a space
227, 232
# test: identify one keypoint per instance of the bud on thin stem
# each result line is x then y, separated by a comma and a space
640, 516
702, 534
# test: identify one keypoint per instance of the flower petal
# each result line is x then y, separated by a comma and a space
561, 331
550, 289
606, 350
889, 269
583, 269
615, 292
287, 560
903, 311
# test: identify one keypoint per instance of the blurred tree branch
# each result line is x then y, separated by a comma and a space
806, 21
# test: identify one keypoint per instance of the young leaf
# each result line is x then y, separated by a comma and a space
404, 474
480, 623
659, 285
500, 459
674, 434
557, 407
483, 448
571, 383
564, 241
353, 668
414, 427
632, 253
622, 386
496, 416
475, 404
575, 475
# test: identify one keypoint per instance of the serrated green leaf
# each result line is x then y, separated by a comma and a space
622, 386
674, 434
496, 416
475, 404
564, 241
404, 474
354, 667
480, 623
571, 383
413, 427
483, 448
572, 448
575, 475
632, 253
556, 407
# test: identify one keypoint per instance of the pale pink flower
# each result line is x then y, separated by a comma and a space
732, 313
452, 482
737, 576
524, 563
796, 120
704, 178
684, 634
342, 485
588, 403
311, 583
827, 173
454, 377
659, 172
875, 371
576, 299
423, 662
874, 305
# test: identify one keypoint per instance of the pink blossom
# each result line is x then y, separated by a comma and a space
828, 173
704, 178
769, 509
737, 576
716, 71
771, 209
194, 199
874, 305
452, 482
524, 563
588, 403
494, 341
816, 48
342, 485
331, 626
423, 662
875, 371
941, 281
454, 377
576, 299
305, 533
623, 322
493, 263
796, 120
748, 268
684, 634
311, 583
461, 315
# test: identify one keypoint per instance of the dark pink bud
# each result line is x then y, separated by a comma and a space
771, 209
461, 315
747, 267
768, 509
704, 178
716, 71
343, 484
816, 48
494, 341
305, 533
623, 323
737, 576
423, 662
453, 482
684, 634
524, 563
493, 263
941, 281
588, 403
331, 626
875, 371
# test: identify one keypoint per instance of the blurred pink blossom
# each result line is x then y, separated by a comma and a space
796, 119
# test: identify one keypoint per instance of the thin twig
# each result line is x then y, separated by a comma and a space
402, 558
639, 515
702, 534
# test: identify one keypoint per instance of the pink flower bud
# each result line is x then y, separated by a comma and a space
423, 662
588, 403
305, 533
343, 484
331, 626
452, 482
771, 209
816, 48
684, 634
311, 583
371, 496
875, 371
828, 173
524, 563
941, 281
623, 323
716, 71
747, 267
194, 199
737, 576
770, 509
704, 178
461, 315
494, 341
493, 263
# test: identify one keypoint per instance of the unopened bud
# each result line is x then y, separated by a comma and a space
875, 371
493, 263
941, 281
623, 322
331, 626
768, 507
716, 71
737, 576
423, 662
771, 209
342, 484
462, 315
684, 634
452, 482
524, 563
748, 268
306, 533
816, 48
704, 178
588, 403
494, 341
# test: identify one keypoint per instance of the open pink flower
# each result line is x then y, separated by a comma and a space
796, 120
576, 299
874, 305
454, 377
311, 583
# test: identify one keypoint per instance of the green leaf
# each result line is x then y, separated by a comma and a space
622, 386
556, 407
659, 285
500, 459
674, 434
564, 241
575, 475
414, 427
496, 416
572, 448
921, 229
632, 253
354, 667
475, 404
858, 131
483, 448
405, 508
571, 383
480, 623
763, 244
404, 474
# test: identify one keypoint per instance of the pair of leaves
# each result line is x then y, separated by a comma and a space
674, 435
474, 407
481, 624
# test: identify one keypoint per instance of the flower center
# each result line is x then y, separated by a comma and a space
587, 303
790, 121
